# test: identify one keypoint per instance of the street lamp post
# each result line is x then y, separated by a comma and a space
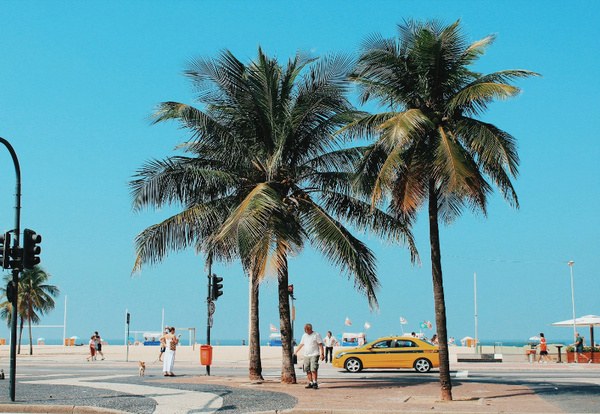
571, 263
15, 272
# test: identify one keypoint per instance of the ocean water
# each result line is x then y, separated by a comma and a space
264, 342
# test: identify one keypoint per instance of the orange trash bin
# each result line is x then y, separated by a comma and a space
205, 354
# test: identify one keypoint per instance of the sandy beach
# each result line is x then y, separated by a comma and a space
222, 355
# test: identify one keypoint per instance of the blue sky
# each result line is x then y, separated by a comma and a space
78, 81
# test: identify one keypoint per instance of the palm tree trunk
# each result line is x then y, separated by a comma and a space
438, 293
255, 369
288, 373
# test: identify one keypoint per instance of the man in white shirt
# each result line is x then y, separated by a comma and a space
314, 347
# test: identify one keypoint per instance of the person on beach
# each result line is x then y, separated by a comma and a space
578, 344
99, 345
92, 344
543, 350
313, 343
162, 345
171, 342
329, 343
434, 340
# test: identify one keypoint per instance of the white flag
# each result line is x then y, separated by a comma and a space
273, 328
367, 325
429, 325
403, 321
348, 322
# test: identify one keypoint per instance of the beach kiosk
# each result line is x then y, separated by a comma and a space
152, 338
354, 339
274, 339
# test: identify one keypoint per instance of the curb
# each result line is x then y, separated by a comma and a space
56, 409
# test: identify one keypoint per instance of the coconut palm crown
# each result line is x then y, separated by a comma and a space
264, 174
430, 148
35, 299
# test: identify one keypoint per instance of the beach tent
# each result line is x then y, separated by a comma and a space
354, 339
468, 341
589, 320
274, 339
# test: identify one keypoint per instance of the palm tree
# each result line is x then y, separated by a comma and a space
34, 300
430, 146
266, 175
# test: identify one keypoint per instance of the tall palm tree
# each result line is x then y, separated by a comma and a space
35, 299
430, 147
266, 174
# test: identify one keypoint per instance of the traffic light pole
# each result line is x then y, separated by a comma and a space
15, 272
208, 310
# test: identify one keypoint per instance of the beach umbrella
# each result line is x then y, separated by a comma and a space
588, 320
74, 337
41, 339
534, 338
465, 339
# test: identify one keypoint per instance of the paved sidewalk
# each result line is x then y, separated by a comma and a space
391, 395
338, 393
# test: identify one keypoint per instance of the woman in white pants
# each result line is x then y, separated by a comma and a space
170, 341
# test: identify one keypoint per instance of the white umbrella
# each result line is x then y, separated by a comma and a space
588, 320
41, 339
74, 337
465, 339
534, 338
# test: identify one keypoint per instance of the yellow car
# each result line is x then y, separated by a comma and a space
390, 352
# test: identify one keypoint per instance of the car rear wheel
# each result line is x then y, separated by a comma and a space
353, 365
422, 365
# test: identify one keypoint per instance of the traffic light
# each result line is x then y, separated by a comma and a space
216, 287
291, 291
31, 250
11, 291
5, 250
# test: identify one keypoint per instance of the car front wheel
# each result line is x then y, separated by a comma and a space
353, 365
422, 365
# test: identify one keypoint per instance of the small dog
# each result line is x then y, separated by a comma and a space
142, 369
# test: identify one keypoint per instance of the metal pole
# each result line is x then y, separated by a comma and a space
293, 317
15, 272
571, 263
475, 284
208, 315
65, 326
127, 334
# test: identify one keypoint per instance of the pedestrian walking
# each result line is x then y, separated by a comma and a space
92, 346
162, 345
578, 344
314, 347
543, 350
99, 345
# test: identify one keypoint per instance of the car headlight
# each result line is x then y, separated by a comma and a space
338, 356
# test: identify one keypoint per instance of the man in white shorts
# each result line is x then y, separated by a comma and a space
314, 347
